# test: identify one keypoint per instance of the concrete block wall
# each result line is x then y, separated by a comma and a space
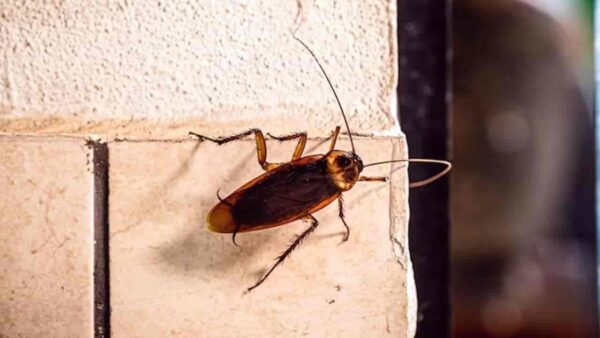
120, 68
139, 76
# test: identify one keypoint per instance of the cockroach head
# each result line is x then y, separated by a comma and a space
358, 161
343, 168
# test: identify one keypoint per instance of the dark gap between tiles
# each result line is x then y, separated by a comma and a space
101, 262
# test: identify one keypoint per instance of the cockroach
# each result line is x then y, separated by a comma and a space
294, 190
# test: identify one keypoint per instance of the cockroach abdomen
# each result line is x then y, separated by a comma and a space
220, 219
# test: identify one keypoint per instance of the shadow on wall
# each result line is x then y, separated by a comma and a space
188, 254
522, 188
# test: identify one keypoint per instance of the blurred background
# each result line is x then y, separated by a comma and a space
522, 190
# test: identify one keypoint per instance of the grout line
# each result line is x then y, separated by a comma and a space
95, 139
36, 138
101, 245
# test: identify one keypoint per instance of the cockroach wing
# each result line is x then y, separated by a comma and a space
279, 196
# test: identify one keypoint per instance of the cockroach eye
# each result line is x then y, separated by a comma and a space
343, 161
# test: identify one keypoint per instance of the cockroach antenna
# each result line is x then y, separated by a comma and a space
415, 160
330, 85
420, 160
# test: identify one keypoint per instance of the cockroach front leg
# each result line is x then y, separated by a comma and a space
299, 147
373, 179
341, 214
286, 253
261, 145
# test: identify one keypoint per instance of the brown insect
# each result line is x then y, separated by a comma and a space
294, 190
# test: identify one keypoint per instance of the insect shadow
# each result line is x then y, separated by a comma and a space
196, 252
149, 204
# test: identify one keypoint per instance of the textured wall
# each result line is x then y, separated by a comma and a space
207, 64
155, 70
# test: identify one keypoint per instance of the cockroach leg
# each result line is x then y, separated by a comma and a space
341, 214
299, 147
261, 145
286, 253
334, 137
270, 166
373, 179
226, 139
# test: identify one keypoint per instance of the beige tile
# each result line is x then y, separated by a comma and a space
170, 276
45, 241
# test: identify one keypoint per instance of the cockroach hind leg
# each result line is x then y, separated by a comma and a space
288, 251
